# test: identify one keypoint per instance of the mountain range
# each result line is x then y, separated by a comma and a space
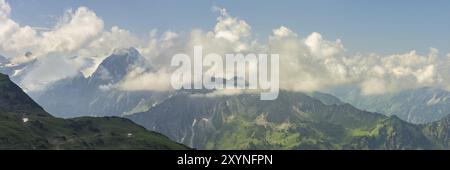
293, 121
80, 95
418, 106
411, 119
26, 125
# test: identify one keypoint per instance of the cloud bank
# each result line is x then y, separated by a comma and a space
312, 63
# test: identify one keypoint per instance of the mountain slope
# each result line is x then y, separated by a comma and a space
439, 131
25, 125
423, 105
293, 121
12, 99
392, 133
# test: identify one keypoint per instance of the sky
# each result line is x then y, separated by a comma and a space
382, 26
378, 46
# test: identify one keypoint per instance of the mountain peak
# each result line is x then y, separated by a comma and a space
118, 64
124, 57
126, 51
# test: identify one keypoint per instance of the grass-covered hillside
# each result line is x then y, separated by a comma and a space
293, 121
25, 125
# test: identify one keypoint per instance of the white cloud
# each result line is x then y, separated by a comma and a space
226, 92
309, 64
229, 28
322, 48
306, 64
12, 36
140, 80
74, 31
46, 71
283, 32
5, 9
373, 86
395, 72
78, 37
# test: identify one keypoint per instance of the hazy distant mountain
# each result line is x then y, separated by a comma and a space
326, 98
81, 96
420, 105
15, 71
3, 60
25, 125
293, 121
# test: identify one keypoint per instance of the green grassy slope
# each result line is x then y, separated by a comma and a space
292, 121
43, 131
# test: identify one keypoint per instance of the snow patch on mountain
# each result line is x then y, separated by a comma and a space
434, 100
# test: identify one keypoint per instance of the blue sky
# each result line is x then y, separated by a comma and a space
382, 26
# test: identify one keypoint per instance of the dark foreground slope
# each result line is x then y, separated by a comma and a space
25, 125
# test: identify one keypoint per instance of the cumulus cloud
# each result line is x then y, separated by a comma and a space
312, 63
397, 72
79, 38
140, 80
53, 67
73, 32
283, 32
230, 28
5, 9
12, 36
308, 64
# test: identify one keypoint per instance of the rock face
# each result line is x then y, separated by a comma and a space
25, 125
